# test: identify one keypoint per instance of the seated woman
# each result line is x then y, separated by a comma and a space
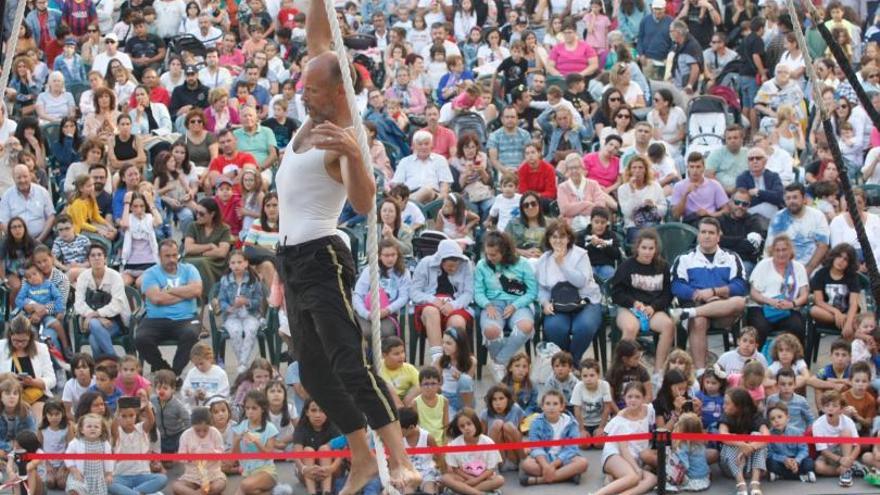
552, 465
149, 118
55, 103
442, 290
843, 230
565, 135
642, 200
779, 287
836, 289
527, 230
102, 123
22, 354
505, 289
623, 124
621, 78
16, 247
86, 216
140, 247
567, 291
101, 302
66, 149
579, 195
392, 227
127, 148
93, 153
206, 244
668, 121
262, 239
641, 288
394, 282
221, 113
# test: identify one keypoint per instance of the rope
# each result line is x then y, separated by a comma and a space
851, 206
372, 226
12, 43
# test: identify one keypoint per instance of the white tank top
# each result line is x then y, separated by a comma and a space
310, 201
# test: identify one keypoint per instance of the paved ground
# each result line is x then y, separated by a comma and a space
594, 479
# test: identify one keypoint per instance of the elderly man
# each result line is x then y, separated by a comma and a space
687, 63
506, 145
806, 226
710, 284
426, 174
257, 140
778, 160
30, 201
171, 292
697, 196
764, 186
776, 92
726, 163
654, 42
743, 232
207, 33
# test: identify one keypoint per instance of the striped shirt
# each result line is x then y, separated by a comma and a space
75, 251
78, 15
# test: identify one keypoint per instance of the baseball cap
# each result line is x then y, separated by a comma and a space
111, 36
222, 180
658, 4
191, 69
70, 41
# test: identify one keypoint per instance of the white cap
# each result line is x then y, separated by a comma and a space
658, 4
111, 36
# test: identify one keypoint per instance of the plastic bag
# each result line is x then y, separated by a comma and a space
542, 367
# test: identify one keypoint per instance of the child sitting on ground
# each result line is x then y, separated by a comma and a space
859, 402
591, 400
105, 384
836, 374
789, 461
837, 459
733, 361
130, 380
562, 379
400, 375
416, 437
205, 379
431, 405
555, 464
798, 412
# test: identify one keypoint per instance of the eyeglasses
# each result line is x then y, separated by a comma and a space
530, 204
739, 202
755, 158
110, 42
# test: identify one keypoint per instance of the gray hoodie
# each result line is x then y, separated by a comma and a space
423, 289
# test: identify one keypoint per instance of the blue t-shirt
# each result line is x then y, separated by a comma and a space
713, 406
156, 277
269, 431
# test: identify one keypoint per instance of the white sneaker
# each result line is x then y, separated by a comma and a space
282, 489
498, 371
811, 476
774, 476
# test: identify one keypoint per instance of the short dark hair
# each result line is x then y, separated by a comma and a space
796, 186
786, 372
98, 246
710, 221
429, 373
562, 357
841, 345
695, 156
391, 342
860, 367
109, 369
408, 416
590, 364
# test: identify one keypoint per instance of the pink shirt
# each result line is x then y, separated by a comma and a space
444, 140
597, 37
569, 62
596, 170
140, 383
735, 379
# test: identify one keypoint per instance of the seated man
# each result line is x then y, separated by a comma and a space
764, 186
697, 196
805, 225
742, 232
171, 293
427, 174
710, 284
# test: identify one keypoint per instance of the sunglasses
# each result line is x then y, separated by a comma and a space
196, 121
614, 98
530, 204
110, 42
91, 30
739, 202
755, 158
624, 116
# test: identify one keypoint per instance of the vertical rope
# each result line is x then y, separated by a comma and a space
372, 232
12, 43
834, 146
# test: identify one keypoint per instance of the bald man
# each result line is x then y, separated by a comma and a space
321, 169
29, 201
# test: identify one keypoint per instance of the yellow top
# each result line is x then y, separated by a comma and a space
431, 418
84, 213
403, 378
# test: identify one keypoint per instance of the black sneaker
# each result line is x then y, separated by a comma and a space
859, 470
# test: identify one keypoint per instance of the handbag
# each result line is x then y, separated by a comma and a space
512, 286
28, 394
772, 313
97, 299
646, 215
566, 298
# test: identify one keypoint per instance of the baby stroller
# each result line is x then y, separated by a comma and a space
707, 118
469, 121
186, 43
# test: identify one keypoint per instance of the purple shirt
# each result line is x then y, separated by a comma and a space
709, 196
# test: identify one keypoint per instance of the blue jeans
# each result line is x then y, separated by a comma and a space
185, 217
135, 484
604, 272
50, 332
504, 347
101, 337
778, 468
574, 331
465, 385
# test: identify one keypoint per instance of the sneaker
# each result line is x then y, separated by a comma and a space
508, 466
802, 477
774, 476
811, 476
676, 314
523, 479
498, 371
845, 479
576, 479
670, 488
282, 489
859, 470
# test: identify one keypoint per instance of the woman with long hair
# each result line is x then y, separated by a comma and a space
16, 247
642, 200
262, 238
66, 149
102, 124
120, 80
31, 139
207, 243
23, 87
127, 148
836, 289
527, 230
394, 280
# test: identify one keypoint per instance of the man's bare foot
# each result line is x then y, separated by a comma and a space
405, 478
362, 471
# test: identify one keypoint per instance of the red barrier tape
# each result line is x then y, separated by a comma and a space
716, 437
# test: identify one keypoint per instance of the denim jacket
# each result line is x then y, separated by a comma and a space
541, 429
52, 21
25, 93
575, 138
73, 74
10, 427
252, 290
693, 457
781, 451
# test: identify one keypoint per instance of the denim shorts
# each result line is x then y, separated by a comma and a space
748, 88
517, 316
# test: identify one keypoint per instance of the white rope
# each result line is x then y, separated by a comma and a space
372, 232
808, 61
12, 43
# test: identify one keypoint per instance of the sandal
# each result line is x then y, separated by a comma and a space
741, 489
755, 488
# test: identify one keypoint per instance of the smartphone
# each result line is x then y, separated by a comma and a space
688, 406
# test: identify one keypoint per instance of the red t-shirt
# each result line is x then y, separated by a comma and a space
542, 180
229, 213
286, 17
53, 50
444, 140
157, 95
239, 159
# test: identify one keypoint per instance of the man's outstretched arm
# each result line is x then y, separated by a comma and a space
319, 39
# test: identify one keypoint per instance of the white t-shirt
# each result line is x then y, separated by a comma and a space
505, 209
768, 281
73, 391
733, 362
669, 129
214, 382
846, 427
102, 60
412, 215
805, 231
558, 429
841, 232
620, 425
869, 159
591, 402
799, 366
490, 458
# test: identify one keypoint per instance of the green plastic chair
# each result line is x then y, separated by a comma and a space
219, 335
816, 330
676, 239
